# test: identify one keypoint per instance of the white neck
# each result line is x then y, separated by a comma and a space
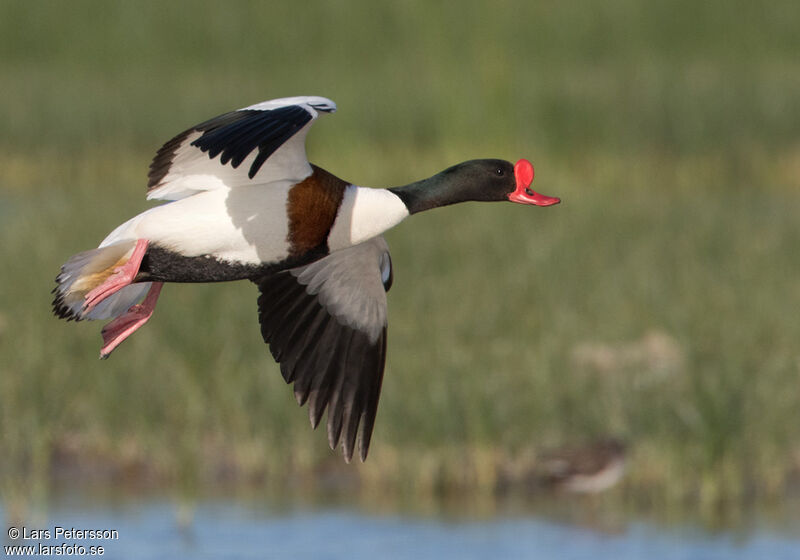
363, 214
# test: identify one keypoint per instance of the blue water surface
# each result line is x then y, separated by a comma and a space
228, 530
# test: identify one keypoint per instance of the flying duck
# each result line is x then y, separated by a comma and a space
243, 202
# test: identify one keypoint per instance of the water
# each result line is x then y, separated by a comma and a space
151, 530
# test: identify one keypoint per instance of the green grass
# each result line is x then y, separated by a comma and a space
671, 131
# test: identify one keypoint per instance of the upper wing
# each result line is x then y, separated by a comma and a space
326, 324
258, 144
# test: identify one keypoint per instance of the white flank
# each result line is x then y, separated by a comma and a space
365, 213
244, 225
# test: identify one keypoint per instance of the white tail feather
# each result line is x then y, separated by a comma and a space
87, 270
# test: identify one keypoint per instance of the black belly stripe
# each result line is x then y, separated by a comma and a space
163, 265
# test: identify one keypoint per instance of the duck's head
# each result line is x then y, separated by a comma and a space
498, 180
480, 180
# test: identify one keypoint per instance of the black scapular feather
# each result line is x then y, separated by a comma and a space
236, 134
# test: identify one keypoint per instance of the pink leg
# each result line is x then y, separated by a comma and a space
122, 327
122, 276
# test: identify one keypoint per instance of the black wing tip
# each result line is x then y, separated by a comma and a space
333, 368
362, 451
162, 161
353, 406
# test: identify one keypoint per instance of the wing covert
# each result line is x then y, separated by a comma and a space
325, 324
262, 143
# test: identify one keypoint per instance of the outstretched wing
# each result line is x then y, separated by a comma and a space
326, 324
262, 143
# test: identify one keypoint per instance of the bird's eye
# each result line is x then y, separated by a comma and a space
499, 171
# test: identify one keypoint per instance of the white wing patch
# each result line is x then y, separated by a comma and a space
259, 144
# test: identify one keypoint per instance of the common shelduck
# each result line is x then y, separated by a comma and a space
243, 202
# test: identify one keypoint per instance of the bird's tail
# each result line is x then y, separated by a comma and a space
87, 270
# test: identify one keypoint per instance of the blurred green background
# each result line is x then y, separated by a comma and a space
659, 303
